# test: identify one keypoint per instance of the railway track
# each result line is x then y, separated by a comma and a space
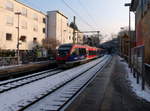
54, 92
15, 83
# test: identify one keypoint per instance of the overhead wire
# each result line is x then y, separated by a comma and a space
35, 6
87, 12
76, 13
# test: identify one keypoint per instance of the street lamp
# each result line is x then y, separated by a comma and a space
18, 57
128, 5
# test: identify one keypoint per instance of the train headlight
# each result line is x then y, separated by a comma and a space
57, 47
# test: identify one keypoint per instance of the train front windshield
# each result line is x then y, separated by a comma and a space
63, 50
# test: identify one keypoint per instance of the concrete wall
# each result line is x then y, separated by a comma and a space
31, 25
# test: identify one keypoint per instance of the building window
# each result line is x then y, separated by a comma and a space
35, 17
9, 20
9, 6
23, 38
44, 20
24, 24
35, 40
8, 36
69, 37
35, 28
74, 38
24, 12
43, 30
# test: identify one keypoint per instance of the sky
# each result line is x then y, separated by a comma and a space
106, 16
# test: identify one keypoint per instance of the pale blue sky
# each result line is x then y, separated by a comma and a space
107, 15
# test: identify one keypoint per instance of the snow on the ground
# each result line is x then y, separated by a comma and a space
137, 88
11, 100
51, 102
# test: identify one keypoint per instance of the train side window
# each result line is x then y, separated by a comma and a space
92, 52
75, 52
82, 51
87, 52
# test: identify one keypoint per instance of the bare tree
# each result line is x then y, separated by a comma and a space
50, 44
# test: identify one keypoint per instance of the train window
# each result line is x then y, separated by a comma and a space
75, 51
92, 52
63, 50
82, 51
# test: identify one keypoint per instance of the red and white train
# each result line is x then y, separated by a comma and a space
74, 53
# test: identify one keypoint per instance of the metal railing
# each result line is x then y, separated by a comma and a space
6, 61
137, 64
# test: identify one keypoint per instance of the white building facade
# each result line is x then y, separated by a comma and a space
57, 26
32, 26
59, 29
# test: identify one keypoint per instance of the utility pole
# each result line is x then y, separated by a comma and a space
98, 33
74, 33
129, 33
95, 32
18, 28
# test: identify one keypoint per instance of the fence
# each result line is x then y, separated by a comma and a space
137, 63
6, 61
147, 73
8, 57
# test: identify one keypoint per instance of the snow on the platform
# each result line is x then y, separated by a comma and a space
11, 100
10, 66
137, 88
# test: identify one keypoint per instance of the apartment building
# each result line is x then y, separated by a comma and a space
78, 36
59, 29
32, 26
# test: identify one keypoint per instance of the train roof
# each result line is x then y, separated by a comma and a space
69, 45
77, 45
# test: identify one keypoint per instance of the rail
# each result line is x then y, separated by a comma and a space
15, 83
47, 86
66, 96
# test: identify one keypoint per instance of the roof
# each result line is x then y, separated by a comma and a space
57, 11
29, 7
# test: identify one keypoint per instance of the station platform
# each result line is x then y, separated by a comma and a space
110, 91
18, 70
